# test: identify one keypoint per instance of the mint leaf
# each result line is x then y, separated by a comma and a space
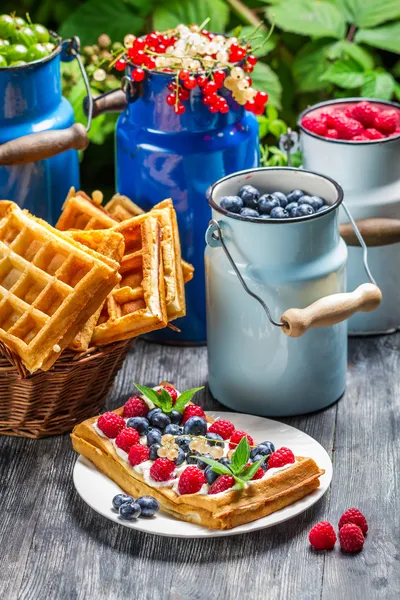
249, 472
216, 466
150, 394
240, 456
185, 398
166, 400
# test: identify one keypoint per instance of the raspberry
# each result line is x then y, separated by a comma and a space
281, 457
322, 536
360, 138
346, 127
373, 134
192, 410
191, 480
259, 474
237, 436
364, 112
222, 428
127, 438
162, 469
138, 454
171, 391
314, 124
351, 538
223, 483
332, 133
110, 424
386, 121
353, 515
135, 407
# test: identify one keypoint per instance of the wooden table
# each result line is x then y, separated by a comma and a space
53, 547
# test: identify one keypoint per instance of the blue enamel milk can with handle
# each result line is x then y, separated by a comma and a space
266, 357
160, 154
38, 137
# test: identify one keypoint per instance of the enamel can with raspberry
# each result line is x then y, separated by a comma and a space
257, 269
357, 142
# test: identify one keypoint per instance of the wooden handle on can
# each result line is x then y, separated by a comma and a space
45, 144
331, 310
376, 232
111, 102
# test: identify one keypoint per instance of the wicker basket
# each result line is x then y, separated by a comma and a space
51, 403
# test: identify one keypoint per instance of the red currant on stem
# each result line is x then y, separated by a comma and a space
213, 108
250, 105
248, 68
210, 99
190, 83
183, 94
179, 108
219, 77
261, 98
150, 63
139, 58
151, 38
161, 48
138, 74
252, 60
249, 80
139, 44
258, 109
170, 99
183, 75
210, 88
120, 64
224, 109
171, 86
201, 80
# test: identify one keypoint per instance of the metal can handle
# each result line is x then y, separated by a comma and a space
117, 100
326, 311
45, 144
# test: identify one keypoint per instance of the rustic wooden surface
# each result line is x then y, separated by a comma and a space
53, 547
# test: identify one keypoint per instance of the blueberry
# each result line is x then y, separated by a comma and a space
195, 426
231, 203
291, 206
181, 457
270, 447
201, 464
120, 499
183, 442
173, 429
153, 451
295, 195
257, 457
129, 511
249, 195
139, 423
154, 436
160, 420
304, 210
216, 439
211, 475
225, 461
325, 207
152, 412
175, 417
148, 505
266, 203
249, 212
281, 198
262, 450
279, 213
317, 202
191, 457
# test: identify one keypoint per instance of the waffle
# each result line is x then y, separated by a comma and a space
137, 305
49, 287
109, 244
221, 511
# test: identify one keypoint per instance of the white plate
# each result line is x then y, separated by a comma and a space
97, 490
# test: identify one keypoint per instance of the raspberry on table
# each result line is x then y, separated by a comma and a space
127, 438
222, 428
162, 469
110, 424
386, 121
191, 480
315, 125
237, 436
353, 515
281, 457
223, 483
138, 454
192, 410
351, 538
322, 536
135, 407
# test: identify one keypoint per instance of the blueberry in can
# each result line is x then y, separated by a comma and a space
231, 203
295, 195
249, 212
279, 213
250, 195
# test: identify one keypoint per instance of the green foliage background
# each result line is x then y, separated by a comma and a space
319, 49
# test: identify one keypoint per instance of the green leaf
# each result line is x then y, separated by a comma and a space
345, 73
378, 85
251, 470
150, 394
166, 400
345, 49
263, 124
368, 13
397, 91
95, 17
240, 456
385, 38
277, 127
316, 18
266, 45
396, 69
272, 113
185, 398
310, 64
216, 466
266, 80
171, 12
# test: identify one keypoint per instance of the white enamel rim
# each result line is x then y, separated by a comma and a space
97, 490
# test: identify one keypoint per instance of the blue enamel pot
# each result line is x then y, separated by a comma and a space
160, 154
38, 138
266, 357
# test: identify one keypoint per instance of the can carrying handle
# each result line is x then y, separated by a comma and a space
326, 311
115, 101
45, 144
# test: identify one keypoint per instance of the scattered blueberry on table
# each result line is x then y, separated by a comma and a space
130, 509
276, 205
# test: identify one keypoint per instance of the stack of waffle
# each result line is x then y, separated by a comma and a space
99, 277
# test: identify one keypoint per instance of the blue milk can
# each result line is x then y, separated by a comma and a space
253, 366
160, 154
38, 162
